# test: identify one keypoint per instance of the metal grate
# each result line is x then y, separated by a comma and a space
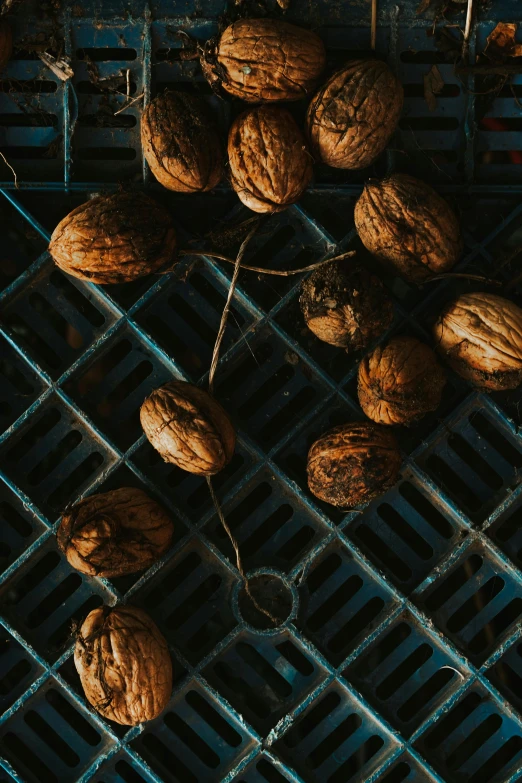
400, 658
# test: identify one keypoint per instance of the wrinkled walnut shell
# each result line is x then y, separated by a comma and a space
181, 144
405, 223
480, 335
114, 239
270, 167
124, 664
353, 464
344, 305
189, 428
115, 533
400, 382
353, 116
264, 60
6, 42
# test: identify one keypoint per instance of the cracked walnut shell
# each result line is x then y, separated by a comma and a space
264, 60
353, 464
345, 305
189, 428
270, 167
353, 116
400, 382
405, 223
480, 335
124, 664
115, 533
114, 239
181, 143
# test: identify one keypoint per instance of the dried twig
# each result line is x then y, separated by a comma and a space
12, 169
226, 309
128, 83
477, 278
235, 546
211, 375
263, 271
467, 30
374, 25
60, 68
129, 104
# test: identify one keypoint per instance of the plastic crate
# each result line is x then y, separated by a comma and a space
401, 658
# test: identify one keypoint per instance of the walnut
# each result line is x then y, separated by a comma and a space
353, 464
400, 382
264, 60
124, 664
480, 335
114, 239
181, 144
344, 305
270, 166
353, 116
405, 223
115, 533
6, 42
189, 428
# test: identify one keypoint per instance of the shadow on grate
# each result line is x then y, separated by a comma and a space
122, 768
20, 385
184, 318
406, 532
19, 528
475, 460
262, 770
21, 245
271, 526
53, 457
113, 385
264, 678
52, 740
55, 319
266, 391
45, 598
194, 740
190, 601
334, 740
475, 603
506, 675
406, 674
341, 603
292, 456
406, 770
18, 670
474, 742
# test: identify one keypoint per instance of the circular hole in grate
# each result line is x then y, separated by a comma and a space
271, 594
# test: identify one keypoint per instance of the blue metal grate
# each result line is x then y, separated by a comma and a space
401, 657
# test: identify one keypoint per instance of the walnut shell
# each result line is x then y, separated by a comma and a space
353, 116
400, 382
405, 223
270, 166
353, 464
115, 533
181, 144
480, 335
6, 42
344, 305
124, 664
265, 60
189, 428
114, 239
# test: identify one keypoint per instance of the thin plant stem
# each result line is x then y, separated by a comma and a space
262, 271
